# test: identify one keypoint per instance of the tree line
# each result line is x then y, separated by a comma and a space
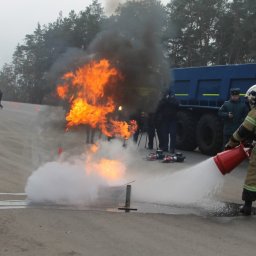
192, 33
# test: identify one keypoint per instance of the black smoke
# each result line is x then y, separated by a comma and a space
131, 40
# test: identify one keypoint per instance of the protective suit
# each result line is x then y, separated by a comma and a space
247, 131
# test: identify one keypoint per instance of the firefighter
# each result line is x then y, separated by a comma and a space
233, 113
245, 132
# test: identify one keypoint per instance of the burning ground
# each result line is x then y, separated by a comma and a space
124, 69
77, 180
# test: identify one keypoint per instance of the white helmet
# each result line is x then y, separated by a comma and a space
251, 95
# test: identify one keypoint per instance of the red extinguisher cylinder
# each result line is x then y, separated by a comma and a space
227, 160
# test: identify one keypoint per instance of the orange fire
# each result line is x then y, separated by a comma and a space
85, 90
109, 169
112, 170
94, 148
62, 91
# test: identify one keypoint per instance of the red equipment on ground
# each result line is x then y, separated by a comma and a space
178, 157
159, 155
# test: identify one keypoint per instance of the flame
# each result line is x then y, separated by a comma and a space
94, 148
85, 90
62, 91
109, 169
124, 129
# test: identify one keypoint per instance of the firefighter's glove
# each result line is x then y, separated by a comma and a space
248, 144
227, 147
231, 144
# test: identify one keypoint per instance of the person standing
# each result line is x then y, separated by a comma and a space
245, 132
1, 95
174, 107
166, 121
90, 132
139, 116
151, 129
233, 113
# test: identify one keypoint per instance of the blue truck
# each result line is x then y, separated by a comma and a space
201, 91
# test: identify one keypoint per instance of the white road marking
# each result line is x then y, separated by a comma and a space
13, 194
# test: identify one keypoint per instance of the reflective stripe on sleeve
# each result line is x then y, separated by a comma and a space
250, 120
250, 188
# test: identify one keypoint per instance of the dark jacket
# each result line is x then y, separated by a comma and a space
139, 117
167, 109
239, 111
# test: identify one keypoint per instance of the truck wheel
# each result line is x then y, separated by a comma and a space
209, 134
186, 131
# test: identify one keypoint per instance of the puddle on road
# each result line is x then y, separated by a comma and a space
226, 210
209, 209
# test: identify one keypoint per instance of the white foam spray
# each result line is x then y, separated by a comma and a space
195, 185
69, 182
75, 181
62, 183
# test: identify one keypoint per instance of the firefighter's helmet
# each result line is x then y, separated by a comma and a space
251, 95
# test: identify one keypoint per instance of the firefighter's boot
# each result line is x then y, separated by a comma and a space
246, 209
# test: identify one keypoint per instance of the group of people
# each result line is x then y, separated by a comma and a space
160, 124
239, 118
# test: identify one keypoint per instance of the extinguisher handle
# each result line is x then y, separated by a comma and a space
247, 150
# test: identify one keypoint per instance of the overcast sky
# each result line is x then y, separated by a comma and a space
20, 17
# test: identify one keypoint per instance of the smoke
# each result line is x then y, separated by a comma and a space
70, 60
131, 40
111, 6
76, 180
63, 183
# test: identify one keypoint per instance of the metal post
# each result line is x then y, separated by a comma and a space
127, 205
128, 198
